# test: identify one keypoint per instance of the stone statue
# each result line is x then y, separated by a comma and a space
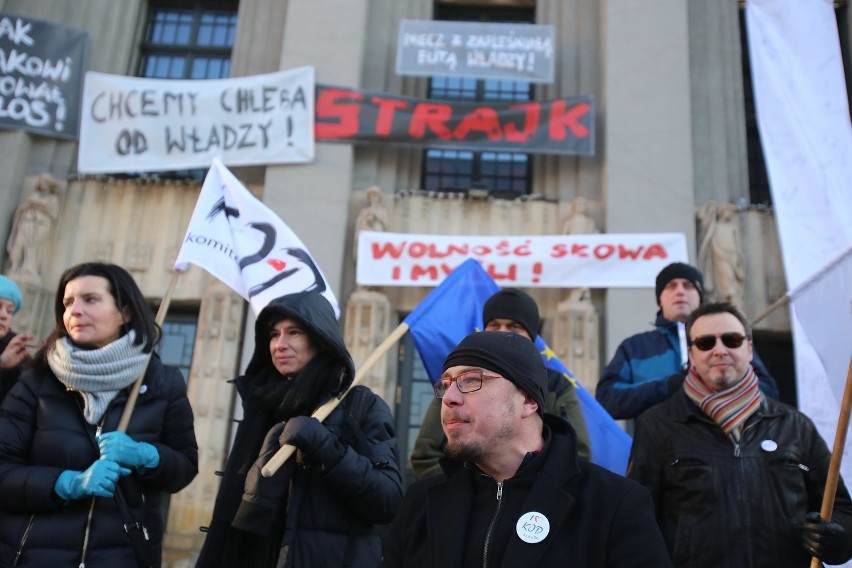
575, 333
720, 254
373, 217
32, 227
578, 223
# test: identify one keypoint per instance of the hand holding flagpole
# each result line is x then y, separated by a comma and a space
833, 478
243, 243
321, 413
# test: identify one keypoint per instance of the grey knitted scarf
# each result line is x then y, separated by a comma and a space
98, 374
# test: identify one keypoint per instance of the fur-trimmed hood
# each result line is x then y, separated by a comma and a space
315, 313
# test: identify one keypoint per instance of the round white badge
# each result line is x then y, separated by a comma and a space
532, 527
143, 389
768, 445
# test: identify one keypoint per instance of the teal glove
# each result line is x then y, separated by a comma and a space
121, 448
98, 481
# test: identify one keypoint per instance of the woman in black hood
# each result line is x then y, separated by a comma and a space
321, 508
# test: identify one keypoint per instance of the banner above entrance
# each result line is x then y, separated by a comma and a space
544, 261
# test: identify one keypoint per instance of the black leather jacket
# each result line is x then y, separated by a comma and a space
721, 504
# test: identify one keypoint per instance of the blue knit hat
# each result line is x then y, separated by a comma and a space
10, 291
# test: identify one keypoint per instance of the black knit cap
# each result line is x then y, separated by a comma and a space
680, 270
512, 304
510, 355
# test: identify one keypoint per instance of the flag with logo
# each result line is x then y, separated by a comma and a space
243, 243
454, 309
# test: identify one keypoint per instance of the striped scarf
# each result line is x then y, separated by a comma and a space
728, 408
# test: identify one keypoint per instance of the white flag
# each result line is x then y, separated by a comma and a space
243, 243
830, 337
803, 118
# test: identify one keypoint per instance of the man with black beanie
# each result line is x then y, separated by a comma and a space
514, 311
512, 491
649, 367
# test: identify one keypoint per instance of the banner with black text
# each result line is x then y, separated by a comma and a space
134, 125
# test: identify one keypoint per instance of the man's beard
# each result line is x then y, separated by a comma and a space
474, 451
463, 453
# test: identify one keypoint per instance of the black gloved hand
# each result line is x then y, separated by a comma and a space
316, 443
675, 382
825, 539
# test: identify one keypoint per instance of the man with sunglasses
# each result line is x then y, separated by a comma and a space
737, 477
515, 311
649, 367
512, 491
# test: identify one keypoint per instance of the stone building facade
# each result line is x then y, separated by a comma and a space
672, 134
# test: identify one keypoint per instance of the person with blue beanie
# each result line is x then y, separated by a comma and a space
14, 349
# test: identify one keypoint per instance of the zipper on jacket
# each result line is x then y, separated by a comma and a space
493, 522
737, 445
24, 540
98, 430
86, 534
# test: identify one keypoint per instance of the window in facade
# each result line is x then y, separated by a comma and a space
189, 40
504, 174
178, 341
412, 401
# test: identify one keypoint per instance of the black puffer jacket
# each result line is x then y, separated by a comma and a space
735, 506
331, 515
42, 433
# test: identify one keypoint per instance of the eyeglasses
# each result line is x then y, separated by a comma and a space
731, 340
468, 381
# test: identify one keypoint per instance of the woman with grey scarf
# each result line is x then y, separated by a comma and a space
73, 490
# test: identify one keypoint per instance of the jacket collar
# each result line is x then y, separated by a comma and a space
555, 470
683, 408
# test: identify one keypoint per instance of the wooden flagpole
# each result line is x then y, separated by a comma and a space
836, 456
782, 301
323, 411
134, 392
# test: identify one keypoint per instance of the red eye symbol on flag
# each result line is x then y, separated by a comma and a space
277, 264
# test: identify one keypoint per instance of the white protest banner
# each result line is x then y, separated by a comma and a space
548, 261
805, 132
243, 243
133, 124
484, 50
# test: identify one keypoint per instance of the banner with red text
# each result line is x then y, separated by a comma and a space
560, 126
546, 261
